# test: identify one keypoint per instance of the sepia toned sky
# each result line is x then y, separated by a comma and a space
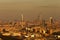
12, 9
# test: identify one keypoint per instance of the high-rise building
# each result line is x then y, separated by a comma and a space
51, 20
43, 23
22, 17
22, 20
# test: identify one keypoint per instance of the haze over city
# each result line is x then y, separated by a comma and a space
12, 9
29, 19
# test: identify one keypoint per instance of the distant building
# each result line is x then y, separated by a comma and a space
51, 20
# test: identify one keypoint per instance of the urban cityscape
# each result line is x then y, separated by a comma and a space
29, 19
30, 30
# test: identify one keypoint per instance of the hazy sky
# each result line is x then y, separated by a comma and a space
12, 9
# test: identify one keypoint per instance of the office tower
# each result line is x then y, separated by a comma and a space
51, 20
22, 17
22, 20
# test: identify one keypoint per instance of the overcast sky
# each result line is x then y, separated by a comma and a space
12, 9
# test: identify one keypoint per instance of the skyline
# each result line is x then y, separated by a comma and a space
12, 9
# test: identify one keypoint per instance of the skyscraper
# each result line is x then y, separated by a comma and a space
51, 20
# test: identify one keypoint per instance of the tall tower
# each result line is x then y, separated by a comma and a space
22, 20
39, 17
22, 17
51, 20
